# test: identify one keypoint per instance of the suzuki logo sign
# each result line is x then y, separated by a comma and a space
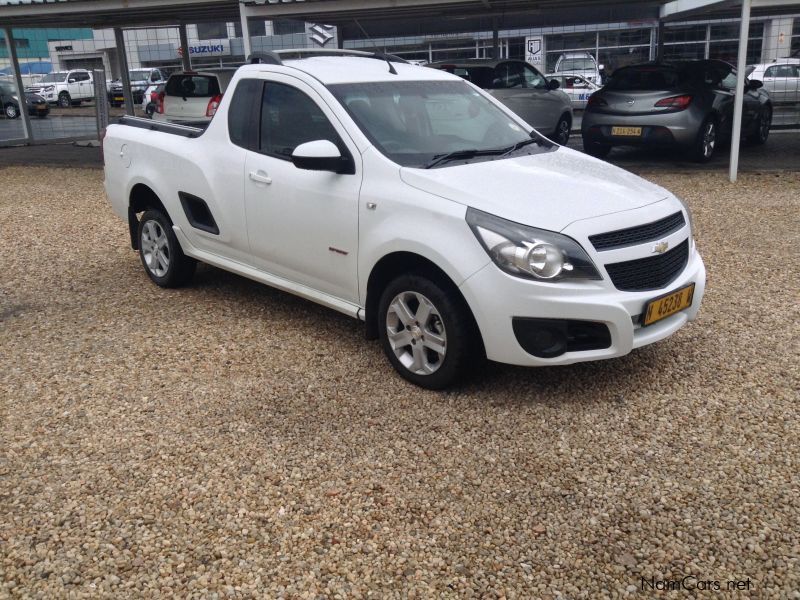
321, 34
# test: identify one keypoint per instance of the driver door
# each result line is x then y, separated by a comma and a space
302, 225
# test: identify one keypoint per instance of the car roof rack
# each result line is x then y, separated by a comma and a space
277, 57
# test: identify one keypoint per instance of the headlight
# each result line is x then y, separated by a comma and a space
529, 252
49, 88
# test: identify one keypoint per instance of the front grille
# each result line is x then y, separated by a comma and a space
639, 234
651, 273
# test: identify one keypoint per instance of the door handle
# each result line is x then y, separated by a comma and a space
260, 177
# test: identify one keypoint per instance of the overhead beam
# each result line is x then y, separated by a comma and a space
681, 8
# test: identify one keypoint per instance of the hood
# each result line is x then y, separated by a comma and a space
548, 190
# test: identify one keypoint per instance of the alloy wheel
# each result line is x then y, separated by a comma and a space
416, 333
709, 139
155, 248
562, 134
11, 111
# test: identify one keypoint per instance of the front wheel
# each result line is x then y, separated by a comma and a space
11, 111
64, 101
561, 135
161, 254
427, 331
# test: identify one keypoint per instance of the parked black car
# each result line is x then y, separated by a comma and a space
37, 106
687, 104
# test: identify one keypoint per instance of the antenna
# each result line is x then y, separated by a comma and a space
378, 53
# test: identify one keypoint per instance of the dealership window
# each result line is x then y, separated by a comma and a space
715, 40
212, 31
613, 48
22, 43
288, 26
795, 51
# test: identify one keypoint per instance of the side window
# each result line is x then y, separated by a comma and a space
534, 79
242, 111
508, 76
785, 71
795, 71
290, 118
771, 72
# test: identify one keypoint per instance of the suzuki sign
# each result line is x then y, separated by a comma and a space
206, 49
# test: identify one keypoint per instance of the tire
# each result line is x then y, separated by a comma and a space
761, 134
595, 149
705, 146
561, 134
11, 111
64, 101
442, 346
161, 254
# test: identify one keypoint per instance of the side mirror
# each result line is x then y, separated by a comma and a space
71, 80
754, 84
321, 155
601, 67
554, 84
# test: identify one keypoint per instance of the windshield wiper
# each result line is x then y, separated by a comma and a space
440, 158
522, 144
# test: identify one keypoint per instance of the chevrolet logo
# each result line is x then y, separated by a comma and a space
660, 247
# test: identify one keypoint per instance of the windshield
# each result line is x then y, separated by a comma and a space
138, 74
577, 64
413, 122
54, 77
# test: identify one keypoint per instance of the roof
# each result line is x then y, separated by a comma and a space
354, 69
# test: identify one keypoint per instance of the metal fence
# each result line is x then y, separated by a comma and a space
59, 65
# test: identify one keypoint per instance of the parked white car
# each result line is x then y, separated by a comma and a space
65, 88
579, 63
577, 87
192, 97
781, 79
409, 198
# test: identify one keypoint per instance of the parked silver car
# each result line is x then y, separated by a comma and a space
684, 104
521, 88
780, 78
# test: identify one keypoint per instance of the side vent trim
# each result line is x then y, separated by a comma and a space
198, 213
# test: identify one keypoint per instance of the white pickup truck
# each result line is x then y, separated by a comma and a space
410, 199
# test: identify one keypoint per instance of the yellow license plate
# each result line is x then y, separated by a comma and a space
665, 306
627, 131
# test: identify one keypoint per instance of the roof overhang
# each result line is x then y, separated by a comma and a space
686, 9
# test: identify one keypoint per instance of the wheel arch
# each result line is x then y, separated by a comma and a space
397, 263
141, 198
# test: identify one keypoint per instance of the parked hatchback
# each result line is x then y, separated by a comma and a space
685, 104
521, 88
9, 100
192, 97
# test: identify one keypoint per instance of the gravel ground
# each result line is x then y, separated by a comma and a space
229, 440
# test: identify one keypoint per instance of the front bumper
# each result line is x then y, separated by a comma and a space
665, 129
496, 298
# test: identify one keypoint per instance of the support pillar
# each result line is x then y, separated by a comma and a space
495, 39
741, 64
124, 73
248, 49
23, 105
185, 58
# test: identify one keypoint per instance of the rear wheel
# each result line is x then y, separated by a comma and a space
706, 144
761, 134
161, 254
64, 101
561, 134
426, 331
595, 149
11, 111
